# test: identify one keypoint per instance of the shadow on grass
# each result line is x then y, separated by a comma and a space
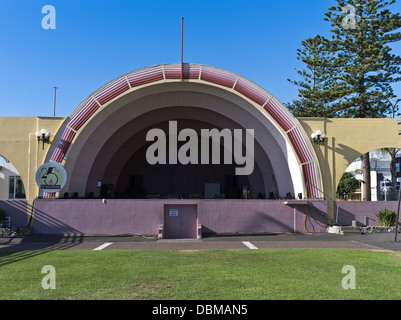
34, 245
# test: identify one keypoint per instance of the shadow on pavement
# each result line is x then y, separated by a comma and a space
19, 248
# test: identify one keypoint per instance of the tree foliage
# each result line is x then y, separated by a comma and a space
317, 89
348, 184
365, 63
351, 74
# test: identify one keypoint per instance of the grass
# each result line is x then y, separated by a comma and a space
299, 274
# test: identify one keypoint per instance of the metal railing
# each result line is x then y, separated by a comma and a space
327, 198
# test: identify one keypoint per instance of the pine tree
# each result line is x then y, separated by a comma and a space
317, 89
348, 184
351, 75
362, 30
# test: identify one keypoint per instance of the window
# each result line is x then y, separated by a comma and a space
11, 189
16, 188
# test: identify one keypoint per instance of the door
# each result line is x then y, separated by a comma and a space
180, 222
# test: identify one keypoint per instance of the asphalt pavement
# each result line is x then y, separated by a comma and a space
373, 241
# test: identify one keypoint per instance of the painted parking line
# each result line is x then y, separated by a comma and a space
249, 245
104, 245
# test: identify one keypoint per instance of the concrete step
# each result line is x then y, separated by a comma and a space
361, 229
351, 230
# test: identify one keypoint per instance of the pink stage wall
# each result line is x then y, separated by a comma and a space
145, 216
122, 216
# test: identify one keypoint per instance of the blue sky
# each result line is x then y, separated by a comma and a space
97, 41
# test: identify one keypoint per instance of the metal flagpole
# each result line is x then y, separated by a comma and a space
398, 214
399, 196
54, 106
182, 47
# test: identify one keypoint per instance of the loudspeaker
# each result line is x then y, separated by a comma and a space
289, 196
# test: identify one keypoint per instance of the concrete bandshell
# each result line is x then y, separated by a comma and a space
259, 105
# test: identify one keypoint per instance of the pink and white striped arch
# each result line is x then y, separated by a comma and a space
207, 75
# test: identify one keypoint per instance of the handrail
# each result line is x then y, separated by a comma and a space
312, 185
327, 196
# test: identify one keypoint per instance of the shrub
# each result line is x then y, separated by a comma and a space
387, 217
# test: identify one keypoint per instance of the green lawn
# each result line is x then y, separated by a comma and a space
311, 274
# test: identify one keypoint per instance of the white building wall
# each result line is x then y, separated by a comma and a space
380, 163
6, 170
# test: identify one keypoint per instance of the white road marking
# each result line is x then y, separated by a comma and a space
249, 245
104, 245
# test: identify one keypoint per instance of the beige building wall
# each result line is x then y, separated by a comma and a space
347, 139
18, 144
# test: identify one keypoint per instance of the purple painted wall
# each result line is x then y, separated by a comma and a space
257, 216
17, 210
132, 216
145, 216
95, 217
363, 212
